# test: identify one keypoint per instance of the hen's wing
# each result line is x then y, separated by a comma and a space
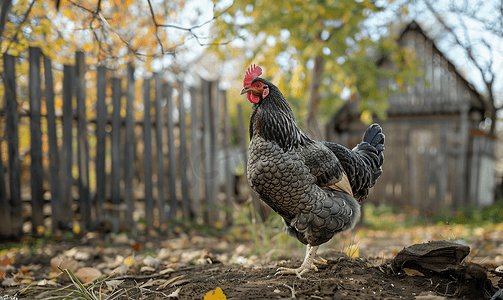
326, 168
363, 164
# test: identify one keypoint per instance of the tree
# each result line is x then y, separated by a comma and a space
317, 50
111, 32
473, 30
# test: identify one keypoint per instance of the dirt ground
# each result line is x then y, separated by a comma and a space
188, 267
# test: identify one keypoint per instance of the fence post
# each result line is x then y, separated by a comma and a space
129, 147
147, 154
229, 174
209, 172
159, 143
82, 145
101, 122
37, 171
195, 143
67, 149
56, 202
116, 150
16, 220
183, 153
173, 203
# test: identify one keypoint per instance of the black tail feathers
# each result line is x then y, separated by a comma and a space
375, 138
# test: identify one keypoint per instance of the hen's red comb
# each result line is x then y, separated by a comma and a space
252, 73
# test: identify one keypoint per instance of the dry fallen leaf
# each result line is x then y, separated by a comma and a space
149, 261
412, 272
121, 270
169, 282
128, 261
9, 282
45, 282
64, 263
147, 269
216, 294
88, 274
113, 284
175, 293
167, 271
153, 282
499, 269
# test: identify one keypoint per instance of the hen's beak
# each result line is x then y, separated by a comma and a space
247, 90
244, 91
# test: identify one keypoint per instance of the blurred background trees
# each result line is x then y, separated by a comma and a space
319, 53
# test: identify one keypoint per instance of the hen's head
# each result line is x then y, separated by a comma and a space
255, 87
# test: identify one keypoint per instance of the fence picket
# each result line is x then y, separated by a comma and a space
229, 175
13, 145
82, 145
159, 143
116, 149
183, 153
173, 202
147, 154
56, 202
67, 149
101, 122
37, 171
207, 157
129, 147
195, 146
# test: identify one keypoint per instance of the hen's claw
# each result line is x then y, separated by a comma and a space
298, 272
322, 262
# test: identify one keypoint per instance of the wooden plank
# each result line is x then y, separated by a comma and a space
56, 200
215, 176
16, 220
101, 134
129, 147
211, 215
183, 153
195, 146
82, 145
147, 154
229, 174
159, 143
116, 148
37, 171
67, 149
173, 203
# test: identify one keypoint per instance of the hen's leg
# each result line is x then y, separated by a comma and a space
306, 265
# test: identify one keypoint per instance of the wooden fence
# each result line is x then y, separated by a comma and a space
184, 166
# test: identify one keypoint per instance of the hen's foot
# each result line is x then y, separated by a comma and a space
306, 265
298, 272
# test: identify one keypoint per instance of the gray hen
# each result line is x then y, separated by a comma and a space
316, 187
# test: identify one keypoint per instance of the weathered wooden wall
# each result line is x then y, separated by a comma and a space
433, 155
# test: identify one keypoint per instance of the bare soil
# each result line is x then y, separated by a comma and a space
198, 265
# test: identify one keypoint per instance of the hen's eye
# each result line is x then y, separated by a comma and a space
258, 85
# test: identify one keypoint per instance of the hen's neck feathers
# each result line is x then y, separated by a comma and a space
273, 119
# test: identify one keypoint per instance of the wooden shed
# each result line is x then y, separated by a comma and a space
436, 156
